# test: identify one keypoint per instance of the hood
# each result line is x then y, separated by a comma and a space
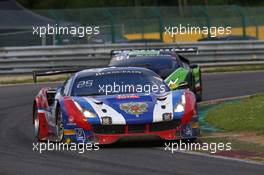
130, 108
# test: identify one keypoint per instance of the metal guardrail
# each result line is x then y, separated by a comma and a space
211, 54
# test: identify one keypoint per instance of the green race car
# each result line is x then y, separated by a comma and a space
175, 69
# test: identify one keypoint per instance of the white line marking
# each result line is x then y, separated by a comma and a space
221, 157
217, 157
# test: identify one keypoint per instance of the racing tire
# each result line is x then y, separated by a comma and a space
36, 124
59, 126
200, 95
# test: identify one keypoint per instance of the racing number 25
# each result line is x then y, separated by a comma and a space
83, 83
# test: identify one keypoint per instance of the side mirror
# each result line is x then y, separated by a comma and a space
193, 66
183, 85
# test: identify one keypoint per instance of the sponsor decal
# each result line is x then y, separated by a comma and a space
134, 108
173, 84
80, 135
119, 97
187, 130
118, 72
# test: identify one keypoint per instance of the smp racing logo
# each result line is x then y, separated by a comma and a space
134, 108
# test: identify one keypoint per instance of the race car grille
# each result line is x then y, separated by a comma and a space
109, 129
136, 128
162, 126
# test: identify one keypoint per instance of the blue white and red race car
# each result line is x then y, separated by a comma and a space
102, 105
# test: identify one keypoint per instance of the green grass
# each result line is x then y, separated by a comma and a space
30, 80
16, 81
243, 115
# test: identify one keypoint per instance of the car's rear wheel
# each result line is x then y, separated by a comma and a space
200, 94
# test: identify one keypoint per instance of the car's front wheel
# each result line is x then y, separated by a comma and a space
59, 126
36, 124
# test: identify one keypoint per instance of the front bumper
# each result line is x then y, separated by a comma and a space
107, 134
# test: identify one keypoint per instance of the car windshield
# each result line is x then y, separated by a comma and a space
118, 83
162, 65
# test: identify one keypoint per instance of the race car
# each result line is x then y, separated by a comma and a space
103, 105
175, 69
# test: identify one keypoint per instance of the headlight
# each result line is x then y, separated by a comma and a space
181, 105
87, 113
179, 108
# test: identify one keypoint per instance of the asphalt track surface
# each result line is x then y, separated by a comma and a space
127, 157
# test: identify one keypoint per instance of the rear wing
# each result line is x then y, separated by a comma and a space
52, 72
176, 50
72, 70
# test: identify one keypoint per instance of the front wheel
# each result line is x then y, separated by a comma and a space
36, 124
59, 126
